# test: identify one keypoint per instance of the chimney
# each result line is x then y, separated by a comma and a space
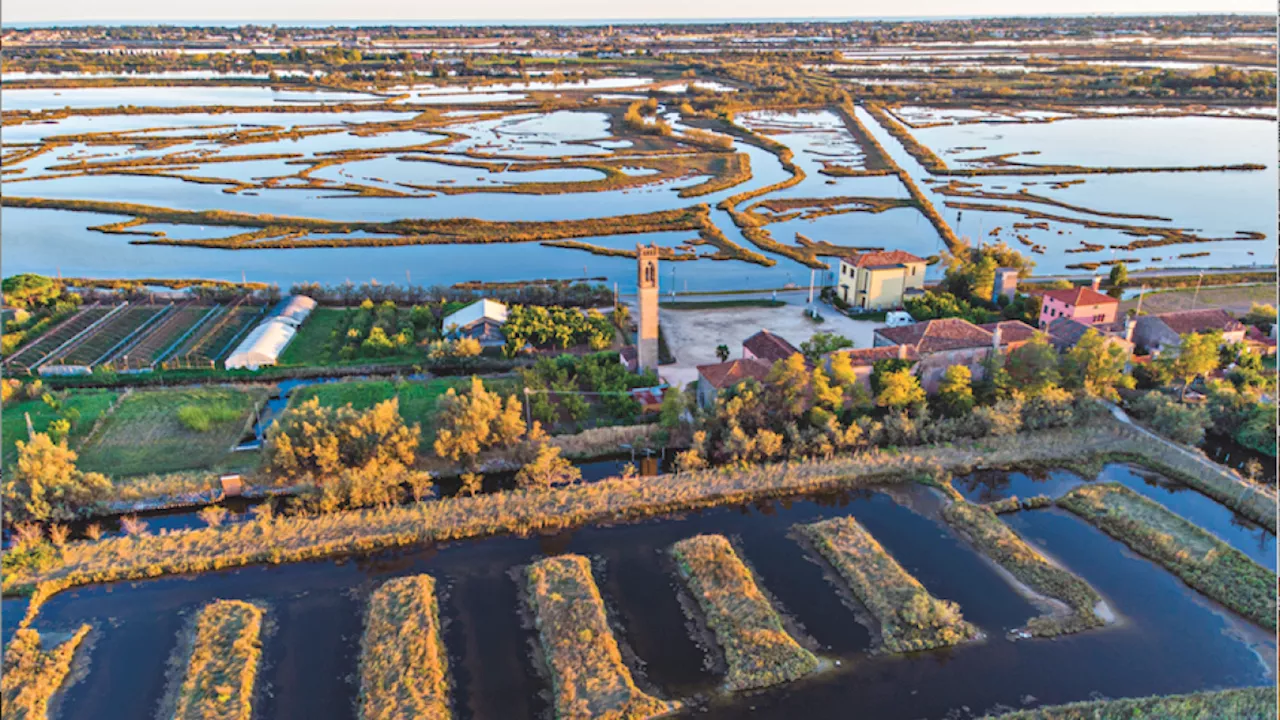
995, 338
1129, 324
902, 352
1097, 282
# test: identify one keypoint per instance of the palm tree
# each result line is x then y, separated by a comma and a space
722, 352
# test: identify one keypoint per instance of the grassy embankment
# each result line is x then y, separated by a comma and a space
757, 648
294, 539
1002, 544
403, 663
589, 679
276, 231
161, 431
909, 618
1258, 703
222, 668
33, 674
1203, 561
91, 405
872, 147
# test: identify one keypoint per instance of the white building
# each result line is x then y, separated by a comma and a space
263, 345
482, 320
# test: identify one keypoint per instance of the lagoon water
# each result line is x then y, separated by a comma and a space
1213, 205
1170, 639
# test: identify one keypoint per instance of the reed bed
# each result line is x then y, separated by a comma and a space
588, 676
1000, 543
1202, 561
297, 538
403, 663
33, 674
757, 648
1256, 703
223, 666
910, 619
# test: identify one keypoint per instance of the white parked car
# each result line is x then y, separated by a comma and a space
898, 318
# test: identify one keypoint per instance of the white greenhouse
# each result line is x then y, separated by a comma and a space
262, 346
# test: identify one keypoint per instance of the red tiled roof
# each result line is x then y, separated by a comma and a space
767, 346
1011, 331
939, 335
1198, 321
1076, 297
879, 259
1254, 335
866, 357
728, 374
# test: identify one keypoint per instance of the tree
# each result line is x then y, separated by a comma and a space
899, 390
1033, 366
933, 305
1176, 421
1096, 366
788, 386
881, 368
1261, 316
823, 343
672, 409
1196, 356
955, 393
1119, 275
547, 469
475, 421
722, 352
45, 484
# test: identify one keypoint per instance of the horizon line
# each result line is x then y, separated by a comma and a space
530, 22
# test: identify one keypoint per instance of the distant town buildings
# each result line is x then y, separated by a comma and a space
1082, 304
880, 280
944, 342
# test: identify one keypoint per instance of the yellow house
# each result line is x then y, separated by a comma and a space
879, 280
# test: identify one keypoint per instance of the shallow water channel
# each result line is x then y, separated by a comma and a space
1169, 639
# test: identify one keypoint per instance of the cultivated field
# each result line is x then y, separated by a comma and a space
29, 354
88, 406
107, 337
157, 431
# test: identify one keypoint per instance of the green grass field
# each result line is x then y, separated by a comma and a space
147, 435
417, 398
91, 404
308, 346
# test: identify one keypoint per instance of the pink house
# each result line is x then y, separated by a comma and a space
1083, 304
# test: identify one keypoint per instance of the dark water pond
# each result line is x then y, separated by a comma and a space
1171, 640
1225, 451
1241, 533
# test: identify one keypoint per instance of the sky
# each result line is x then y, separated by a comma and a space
13, 12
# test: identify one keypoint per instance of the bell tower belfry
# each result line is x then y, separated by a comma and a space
647, 284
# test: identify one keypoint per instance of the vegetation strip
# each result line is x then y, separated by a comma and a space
33, 674
1258, 703
1002, 544
589, 678
293, 539
403, 662
223, 667
1203, 561
757, 647
910, 618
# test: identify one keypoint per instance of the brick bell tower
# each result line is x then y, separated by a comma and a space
647, 284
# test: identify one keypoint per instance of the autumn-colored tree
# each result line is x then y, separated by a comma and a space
955, 392
900, 390
475, 421
45, 484
547, 469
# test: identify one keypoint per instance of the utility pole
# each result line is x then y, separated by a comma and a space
1195, 299
1141, 293
811, 271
